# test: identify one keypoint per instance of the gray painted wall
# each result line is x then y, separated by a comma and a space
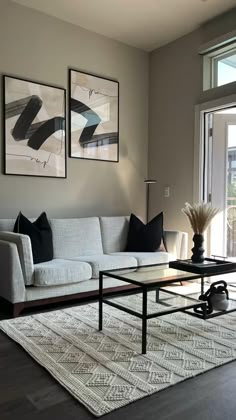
39, 47
42, 48
175, 89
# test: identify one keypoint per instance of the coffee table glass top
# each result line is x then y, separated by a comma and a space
150, 274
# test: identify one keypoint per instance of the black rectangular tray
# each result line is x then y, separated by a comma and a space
208, 266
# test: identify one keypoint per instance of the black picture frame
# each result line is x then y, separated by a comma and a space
34, 128
93, 117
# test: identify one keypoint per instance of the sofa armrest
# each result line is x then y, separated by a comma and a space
24, 249
176, 243
12, 286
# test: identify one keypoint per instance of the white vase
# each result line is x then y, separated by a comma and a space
219, 302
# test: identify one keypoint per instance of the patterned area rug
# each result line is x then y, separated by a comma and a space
106, 370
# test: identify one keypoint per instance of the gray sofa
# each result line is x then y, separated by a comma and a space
82, 247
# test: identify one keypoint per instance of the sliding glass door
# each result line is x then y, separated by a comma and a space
220, 178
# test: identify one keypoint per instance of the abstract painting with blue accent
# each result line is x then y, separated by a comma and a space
94, 120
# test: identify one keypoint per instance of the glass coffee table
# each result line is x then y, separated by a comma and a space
145, 279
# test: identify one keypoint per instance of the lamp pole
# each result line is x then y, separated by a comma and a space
148, 182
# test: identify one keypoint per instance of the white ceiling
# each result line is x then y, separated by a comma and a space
145, 24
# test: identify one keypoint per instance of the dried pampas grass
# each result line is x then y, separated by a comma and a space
200, 215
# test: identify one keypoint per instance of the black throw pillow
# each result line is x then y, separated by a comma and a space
40, 234
145, 238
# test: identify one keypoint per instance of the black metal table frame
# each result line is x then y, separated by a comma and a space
144, 289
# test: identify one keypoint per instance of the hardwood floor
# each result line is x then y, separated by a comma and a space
28, 392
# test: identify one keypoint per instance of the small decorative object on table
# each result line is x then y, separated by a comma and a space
200, 215
217, 298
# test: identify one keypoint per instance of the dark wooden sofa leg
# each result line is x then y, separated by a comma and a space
17, 309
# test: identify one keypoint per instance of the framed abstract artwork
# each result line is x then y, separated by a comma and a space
93, 117
34, 128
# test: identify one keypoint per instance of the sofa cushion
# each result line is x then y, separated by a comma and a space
145, 258
58, 271
108, 262
75, 237
114, 231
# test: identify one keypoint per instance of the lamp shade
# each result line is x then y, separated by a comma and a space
150, 181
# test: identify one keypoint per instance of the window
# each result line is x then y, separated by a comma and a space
219, 66
224, 68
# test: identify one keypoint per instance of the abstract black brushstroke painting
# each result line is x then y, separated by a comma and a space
34, 127
94, 117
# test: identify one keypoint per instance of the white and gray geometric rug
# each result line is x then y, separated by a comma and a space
106, 370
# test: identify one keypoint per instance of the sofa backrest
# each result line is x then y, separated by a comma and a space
92, 235
71, 237
76, 237
114, 231
7, 225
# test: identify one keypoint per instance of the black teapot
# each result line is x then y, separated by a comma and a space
216, 298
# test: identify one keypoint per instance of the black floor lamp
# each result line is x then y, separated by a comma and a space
148, 182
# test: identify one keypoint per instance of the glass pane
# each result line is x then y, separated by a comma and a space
226, 70
167, 302
231, 307
231, 192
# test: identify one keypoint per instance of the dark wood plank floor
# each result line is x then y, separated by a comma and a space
28, 392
